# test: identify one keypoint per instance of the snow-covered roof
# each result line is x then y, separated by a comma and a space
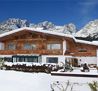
86, 42
36, 30
49, 32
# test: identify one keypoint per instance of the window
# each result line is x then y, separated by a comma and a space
33, 59
7, 59
25, 59
52, 60
1, 46
11, 46
29, 46
82, 50
53, 46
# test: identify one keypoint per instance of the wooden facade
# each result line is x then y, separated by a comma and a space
41, 40
80, 49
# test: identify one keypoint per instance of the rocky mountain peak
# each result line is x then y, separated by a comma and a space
89, 30
46, 25
71, 28
13, 23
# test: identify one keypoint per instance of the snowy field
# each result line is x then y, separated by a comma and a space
64, 83
20, 81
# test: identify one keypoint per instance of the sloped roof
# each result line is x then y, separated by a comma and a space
48, 32
85, 42
36, 30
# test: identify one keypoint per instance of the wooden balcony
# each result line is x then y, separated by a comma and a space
77, 53
41, 52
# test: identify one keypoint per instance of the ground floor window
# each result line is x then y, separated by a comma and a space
25, 58
52, 60
7, 59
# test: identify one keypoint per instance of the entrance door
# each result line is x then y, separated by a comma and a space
74, 62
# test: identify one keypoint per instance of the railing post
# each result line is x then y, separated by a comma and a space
64, 46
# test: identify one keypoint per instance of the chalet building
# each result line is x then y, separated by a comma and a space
35, 45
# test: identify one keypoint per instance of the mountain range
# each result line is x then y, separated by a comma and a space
88, 32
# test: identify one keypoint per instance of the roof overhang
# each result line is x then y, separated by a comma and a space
39, 30
35, 30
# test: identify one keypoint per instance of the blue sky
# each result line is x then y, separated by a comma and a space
59, 12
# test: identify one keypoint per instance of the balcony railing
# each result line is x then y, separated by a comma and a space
47, 52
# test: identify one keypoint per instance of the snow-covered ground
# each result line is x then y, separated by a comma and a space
77, 83
20, 81
65, 83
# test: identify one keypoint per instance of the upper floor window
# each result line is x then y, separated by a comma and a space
11, 46
82, 50
53, 46
1, 46
29, 46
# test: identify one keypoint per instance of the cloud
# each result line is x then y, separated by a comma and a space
87, 9
89, 3
88, 6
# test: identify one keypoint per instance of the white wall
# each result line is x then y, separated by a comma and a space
89, 60
61, 58
2, 56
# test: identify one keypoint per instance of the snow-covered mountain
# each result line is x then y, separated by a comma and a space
89, 30
13, 23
